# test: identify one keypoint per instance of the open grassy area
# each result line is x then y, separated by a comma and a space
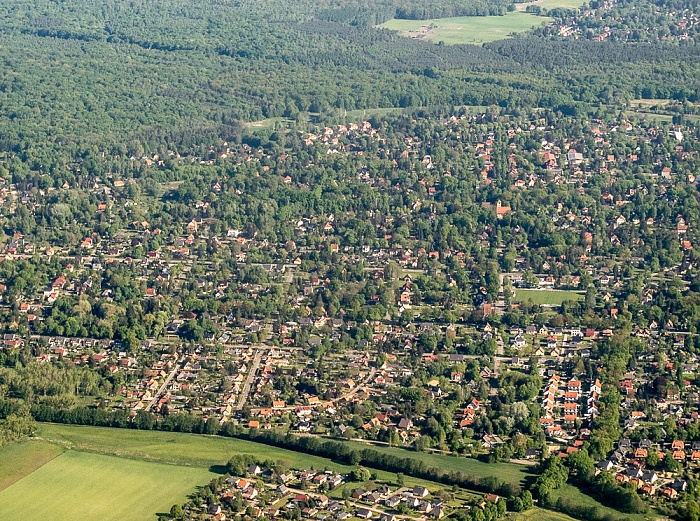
21, 459
547, 297
648, 103
540, 514
80, 472
508, 472
189, 450
552, 4
211, 451
467, 29
79, 485
173, 448
575, 495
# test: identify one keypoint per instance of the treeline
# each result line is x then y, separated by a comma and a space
373, 14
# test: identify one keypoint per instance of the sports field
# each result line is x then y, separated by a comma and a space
547, 297
467, 29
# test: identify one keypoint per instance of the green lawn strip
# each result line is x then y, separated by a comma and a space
79, 485
21, 459
198, 450
547, 297
508, 472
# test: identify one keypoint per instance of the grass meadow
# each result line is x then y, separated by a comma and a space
474, 30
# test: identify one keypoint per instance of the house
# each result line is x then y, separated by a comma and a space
677, 445
393, 501
669, 492
605, 464
518, 342
405, 424
420, 491
363, 513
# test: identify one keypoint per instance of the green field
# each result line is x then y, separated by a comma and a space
508, 472
540, 514
211, 451
172, 448
552, 4
161, 451
547, 297
21, 459
79, 485
78, 472
574, 494
467, 29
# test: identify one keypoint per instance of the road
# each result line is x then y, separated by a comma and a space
249, 380
289, 278
500, 308
499, 353
162, 388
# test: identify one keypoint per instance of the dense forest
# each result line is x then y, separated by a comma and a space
180, 73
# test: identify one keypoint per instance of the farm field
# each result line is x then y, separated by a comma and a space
172, 448
21, 459
80, 485
467, 29
189, 450
72, 471
211, 451
547, 297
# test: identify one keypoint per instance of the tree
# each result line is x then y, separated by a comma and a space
176, 512
360, 474
423, 443
144, 420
